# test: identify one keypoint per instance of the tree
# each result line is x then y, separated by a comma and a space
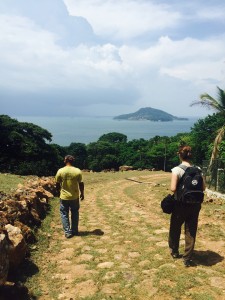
219, 106
203, 135
134, 153
113, 137
102, 155
25, 148
79, 151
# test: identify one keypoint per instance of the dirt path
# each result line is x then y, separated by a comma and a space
122, 252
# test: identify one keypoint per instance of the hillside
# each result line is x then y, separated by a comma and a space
149, 113
122, 251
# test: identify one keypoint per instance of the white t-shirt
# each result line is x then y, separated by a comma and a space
178, 171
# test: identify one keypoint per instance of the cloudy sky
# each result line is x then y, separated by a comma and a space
107, 57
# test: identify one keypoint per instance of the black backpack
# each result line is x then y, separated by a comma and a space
190, 186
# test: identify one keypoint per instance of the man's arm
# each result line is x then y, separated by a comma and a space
81, 187
58, 188
58, 183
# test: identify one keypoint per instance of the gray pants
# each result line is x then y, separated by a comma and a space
186, 214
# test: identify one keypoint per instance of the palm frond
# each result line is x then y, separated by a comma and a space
221, 97
209, 102
219, 106
217, 141
206, 103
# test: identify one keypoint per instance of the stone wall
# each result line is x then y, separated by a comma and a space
19, 213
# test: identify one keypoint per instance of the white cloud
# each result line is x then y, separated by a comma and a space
198, 74
26, 51
194, 60
31, 59
190, 57
133, 74
212, 13
165, 69
124, 19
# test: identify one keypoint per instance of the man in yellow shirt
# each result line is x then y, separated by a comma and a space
69, 183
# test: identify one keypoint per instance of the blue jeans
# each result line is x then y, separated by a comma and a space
70, 225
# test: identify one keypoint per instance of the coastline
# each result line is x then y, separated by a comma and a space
67, 130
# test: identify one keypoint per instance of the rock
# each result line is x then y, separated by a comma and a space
3, 195
125, 168
3, 218
218, 282
105, 265
18, 249
133, 254
19, 212
4, 257
27, 233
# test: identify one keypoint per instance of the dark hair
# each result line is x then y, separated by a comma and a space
185, 152
69, 158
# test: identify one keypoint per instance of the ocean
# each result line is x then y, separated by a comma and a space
67, 130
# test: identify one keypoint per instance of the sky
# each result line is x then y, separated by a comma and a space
109, 57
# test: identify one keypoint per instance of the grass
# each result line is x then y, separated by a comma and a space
9, 182
134, 239
44, 235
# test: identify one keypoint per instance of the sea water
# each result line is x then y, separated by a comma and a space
67, 130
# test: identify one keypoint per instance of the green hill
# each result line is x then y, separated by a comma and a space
149, 113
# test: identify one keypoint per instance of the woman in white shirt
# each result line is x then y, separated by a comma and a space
183, 213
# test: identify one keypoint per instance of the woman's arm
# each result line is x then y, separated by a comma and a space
174, 181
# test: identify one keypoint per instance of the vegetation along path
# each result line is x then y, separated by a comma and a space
122, 250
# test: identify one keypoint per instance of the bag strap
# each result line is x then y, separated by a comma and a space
183, 167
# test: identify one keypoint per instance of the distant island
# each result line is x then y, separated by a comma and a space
151, 114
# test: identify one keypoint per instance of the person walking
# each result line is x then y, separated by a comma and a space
71, 187
183, 213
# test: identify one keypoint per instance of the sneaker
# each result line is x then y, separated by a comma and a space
175, 255
68, 235
189, 263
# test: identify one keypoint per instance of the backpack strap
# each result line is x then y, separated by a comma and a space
183, 167
180, 181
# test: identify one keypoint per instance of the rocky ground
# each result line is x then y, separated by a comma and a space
122, 250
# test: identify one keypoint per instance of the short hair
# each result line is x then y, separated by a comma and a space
185, 152
69, 158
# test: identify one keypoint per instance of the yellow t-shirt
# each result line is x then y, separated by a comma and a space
69, 178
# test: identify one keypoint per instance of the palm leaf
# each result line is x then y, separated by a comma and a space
208, 101
217, 141
219, 106
221, 97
